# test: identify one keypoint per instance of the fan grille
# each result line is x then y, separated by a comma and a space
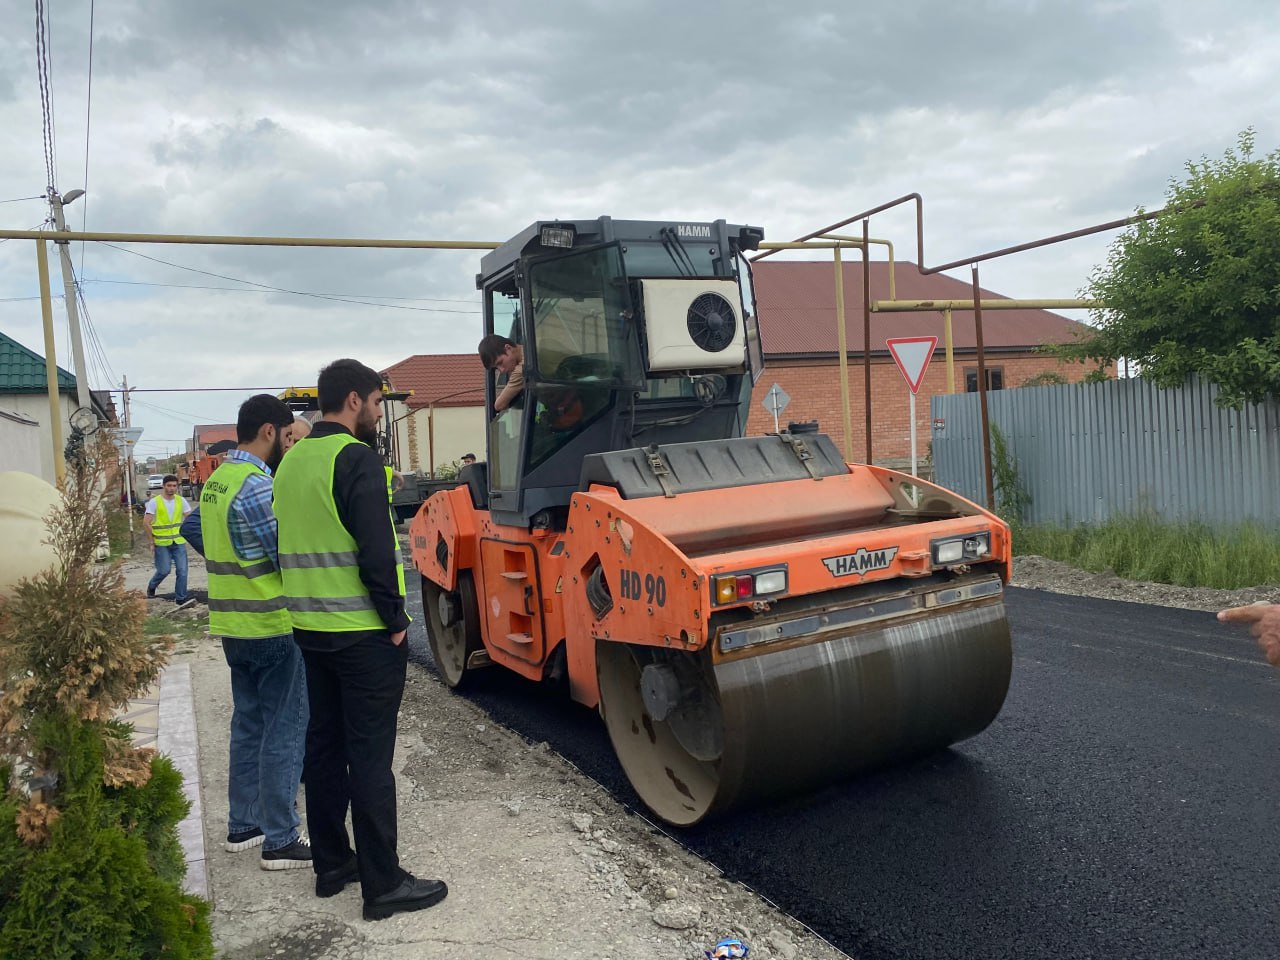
712, 322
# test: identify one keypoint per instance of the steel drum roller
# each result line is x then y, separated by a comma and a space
796, 718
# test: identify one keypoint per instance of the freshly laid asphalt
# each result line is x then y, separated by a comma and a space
1125, 804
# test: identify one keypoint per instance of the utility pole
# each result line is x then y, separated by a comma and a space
128, 462
69, 288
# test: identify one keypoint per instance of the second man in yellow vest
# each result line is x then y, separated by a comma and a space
235, 528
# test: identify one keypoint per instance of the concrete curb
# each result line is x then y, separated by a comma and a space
177, 739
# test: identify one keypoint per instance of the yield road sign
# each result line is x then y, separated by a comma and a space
912, 355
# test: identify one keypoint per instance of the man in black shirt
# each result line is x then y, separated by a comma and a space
344, 585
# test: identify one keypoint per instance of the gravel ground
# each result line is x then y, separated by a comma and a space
536, 853
1041, 573
543, 817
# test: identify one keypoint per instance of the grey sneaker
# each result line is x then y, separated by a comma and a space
243, 840
293, 857
189, 602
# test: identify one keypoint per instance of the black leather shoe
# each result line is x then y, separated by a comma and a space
330, 883
412, 894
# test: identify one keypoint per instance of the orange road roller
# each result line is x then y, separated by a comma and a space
752, 616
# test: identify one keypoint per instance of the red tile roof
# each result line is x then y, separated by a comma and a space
797, 305
447, 379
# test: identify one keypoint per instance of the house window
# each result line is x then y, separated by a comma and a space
995, 379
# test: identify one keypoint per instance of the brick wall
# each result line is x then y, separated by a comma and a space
415, 459
814, 387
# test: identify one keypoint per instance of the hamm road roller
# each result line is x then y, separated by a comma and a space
752, 616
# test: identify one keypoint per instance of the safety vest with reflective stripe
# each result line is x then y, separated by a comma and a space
167, 522
246, 597
322, 582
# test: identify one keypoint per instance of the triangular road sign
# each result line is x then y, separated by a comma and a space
912, 355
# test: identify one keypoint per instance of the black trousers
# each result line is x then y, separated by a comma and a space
355, 695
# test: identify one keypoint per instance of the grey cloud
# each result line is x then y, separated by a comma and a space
468, 120
652, 79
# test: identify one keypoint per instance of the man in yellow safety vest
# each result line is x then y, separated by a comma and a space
236, 531
344, 586
163, 521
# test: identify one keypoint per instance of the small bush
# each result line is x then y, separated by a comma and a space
90, 862
1145, 547
1012, 497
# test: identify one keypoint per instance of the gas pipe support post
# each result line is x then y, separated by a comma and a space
866, 329
842, 350
50, 363
949, 347
982, 392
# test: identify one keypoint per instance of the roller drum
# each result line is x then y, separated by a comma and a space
796, 718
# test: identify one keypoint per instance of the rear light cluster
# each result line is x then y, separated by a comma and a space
731, 587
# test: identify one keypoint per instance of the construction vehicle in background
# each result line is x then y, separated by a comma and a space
306, 401
751, 615
410, 490
192, 474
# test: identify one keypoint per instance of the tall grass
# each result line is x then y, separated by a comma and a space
1144, 547
118, 530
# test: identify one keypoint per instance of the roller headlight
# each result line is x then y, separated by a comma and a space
963, 549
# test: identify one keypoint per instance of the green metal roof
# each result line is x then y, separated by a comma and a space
22, 370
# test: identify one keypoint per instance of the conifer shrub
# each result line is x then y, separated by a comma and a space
90, 861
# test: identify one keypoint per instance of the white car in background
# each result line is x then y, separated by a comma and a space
155, 481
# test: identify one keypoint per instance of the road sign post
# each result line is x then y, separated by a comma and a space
775, 401
912, 355
125, 439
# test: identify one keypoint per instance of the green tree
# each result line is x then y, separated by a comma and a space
1197, 289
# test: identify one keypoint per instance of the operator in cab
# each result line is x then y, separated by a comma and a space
504, 356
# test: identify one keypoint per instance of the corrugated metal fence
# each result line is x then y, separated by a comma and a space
1087, 452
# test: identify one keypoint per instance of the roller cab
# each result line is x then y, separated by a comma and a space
752, 616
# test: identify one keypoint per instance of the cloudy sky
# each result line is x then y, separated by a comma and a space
468, 119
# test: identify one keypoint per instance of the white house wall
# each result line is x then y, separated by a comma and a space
26, 448
457, 430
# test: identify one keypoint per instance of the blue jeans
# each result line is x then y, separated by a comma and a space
175, 555
268, 736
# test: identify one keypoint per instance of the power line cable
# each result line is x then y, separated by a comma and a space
267, 286
191, 417
341, 298
20, 199
94, 340
37, 226
345, 296
46, 95
88, 108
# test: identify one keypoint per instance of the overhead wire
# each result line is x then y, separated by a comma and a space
88, 112
184, 415
46, 95
20, 199
346, 296
273, 288
94, 340
36, 227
